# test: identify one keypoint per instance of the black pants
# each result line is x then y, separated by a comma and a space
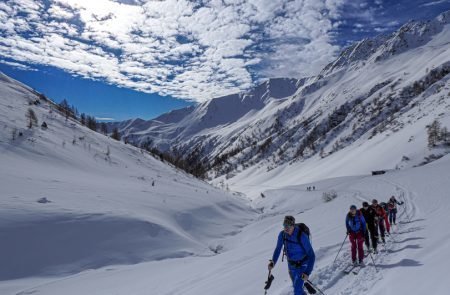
392, 215
371, 235
382, 228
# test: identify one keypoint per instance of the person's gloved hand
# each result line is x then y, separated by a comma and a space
271, 265
305, 277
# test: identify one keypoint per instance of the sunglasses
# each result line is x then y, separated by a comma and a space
286, 225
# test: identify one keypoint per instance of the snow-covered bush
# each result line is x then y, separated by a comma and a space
43, 200
329, 196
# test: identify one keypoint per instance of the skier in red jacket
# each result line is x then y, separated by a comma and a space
380, 218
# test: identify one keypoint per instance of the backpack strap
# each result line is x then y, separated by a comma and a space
299, 239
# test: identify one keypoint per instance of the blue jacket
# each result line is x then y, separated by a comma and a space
355, 223
294, 251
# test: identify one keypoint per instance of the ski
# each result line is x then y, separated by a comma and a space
368, 252
349, 269
356, 269
310, 288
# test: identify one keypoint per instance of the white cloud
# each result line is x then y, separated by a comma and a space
104, 119
172, 47
17, 65
434, 3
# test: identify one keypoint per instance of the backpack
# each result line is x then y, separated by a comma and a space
303, 228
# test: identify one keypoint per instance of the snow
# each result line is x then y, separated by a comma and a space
380, 73
417, 248
79, 213
72, 199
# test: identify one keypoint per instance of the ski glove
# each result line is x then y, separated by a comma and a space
271, 265
305, 277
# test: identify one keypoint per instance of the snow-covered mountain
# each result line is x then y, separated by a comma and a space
81, 213
207, 119
374, 90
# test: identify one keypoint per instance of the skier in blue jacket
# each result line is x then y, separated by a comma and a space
356, 228
299, 252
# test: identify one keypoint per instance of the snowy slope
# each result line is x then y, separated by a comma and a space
104, 229
100, 207
378, 93
417, 249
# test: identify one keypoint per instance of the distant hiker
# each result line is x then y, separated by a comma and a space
387, 224
371, 234
294, 240
356, 228
380, 218
314, 188
392, 205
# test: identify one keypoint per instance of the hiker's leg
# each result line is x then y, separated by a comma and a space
374, 236
296, 277
367, 239
360, 240
382, 229
352, 237
297, 282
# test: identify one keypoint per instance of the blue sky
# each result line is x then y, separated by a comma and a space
106, 102
121, 59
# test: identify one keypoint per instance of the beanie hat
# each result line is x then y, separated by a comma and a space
289, 220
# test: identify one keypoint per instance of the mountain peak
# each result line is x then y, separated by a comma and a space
411, 35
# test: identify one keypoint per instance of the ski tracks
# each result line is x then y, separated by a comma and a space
331, 278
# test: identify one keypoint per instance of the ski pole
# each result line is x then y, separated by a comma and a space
340, 248
391, 237
270, 278
315, 287
373, 261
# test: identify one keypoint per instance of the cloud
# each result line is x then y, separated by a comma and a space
173, 47
17, 65
104, 119
434, 3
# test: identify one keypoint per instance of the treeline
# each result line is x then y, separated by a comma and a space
437, 135
192, 163
70, 111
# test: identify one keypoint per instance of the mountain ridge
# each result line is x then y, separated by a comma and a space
368, 90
